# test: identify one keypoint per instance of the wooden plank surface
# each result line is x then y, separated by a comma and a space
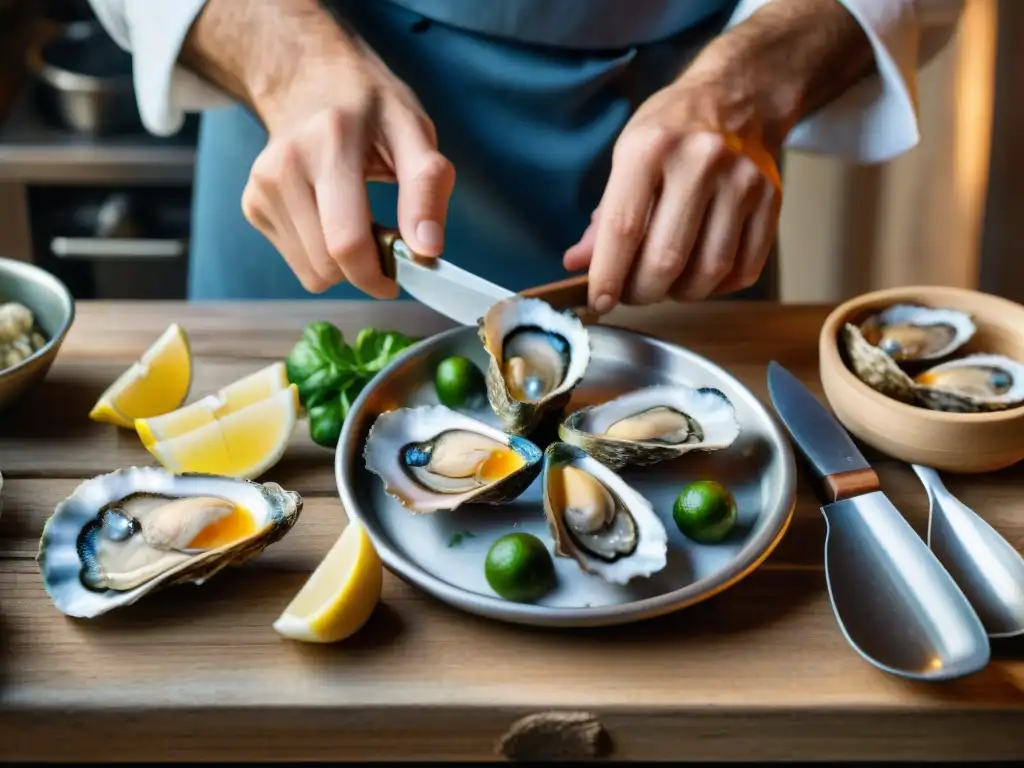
759, 672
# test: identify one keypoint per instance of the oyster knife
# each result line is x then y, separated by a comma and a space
455, 292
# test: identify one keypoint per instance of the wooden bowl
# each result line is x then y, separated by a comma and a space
954, 442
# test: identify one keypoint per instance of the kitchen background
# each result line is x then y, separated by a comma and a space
87, 194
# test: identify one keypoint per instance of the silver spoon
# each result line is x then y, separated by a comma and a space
985, 566
895, 603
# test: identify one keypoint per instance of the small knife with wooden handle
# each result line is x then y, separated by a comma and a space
456, 293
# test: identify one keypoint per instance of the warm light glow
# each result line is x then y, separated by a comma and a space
973, 109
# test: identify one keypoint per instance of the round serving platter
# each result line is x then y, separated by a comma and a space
443, 553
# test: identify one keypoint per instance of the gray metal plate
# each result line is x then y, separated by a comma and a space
758, 468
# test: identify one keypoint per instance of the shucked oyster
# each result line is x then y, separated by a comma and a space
909, 333
653, 424
120, 536
902, 335
875, 368
432, 458
537, 357
597, 519
972, 384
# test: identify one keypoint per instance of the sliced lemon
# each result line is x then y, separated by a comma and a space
156, 384
244, 443
234, 397
340, 595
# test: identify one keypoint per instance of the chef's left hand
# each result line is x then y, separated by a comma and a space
692, 203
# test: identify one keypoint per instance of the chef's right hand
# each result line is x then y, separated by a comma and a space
344, 120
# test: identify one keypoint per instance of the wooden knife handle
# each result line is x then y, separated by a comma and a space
846, 485
385, 237
562, 294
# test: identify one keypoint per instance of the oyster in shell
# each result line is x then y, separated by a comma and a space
972, 384
432, 458
120, 536
597, 519
653, 424
538, 356
875, 368
909, 333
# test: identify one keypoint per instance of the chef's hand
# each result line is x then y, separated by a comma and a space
337, 117
691, 206
346, 121
692, 202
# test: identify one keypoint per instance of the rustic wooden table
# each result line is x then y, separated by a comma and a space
760, 672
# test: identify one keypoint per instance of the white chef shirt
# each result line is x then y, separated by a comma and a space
872, 122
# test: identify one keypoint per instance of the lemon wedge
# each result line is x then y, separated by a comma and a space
244, 443
240, 394
158, 383
340, 595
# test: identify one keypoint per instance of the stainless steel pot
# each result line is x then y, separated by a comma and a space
83, 80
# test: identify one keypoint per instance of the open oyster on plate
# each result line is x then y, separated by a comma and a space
120, 536
598, 520
432, 458
538, 356
972, 384
900, 336
653, 424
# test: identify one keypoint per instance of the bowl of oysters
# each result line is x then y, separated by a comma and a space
929, 375
36, 312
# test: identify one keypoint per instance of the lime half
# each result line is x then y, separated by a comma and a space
519, 567
705, 511
458, 382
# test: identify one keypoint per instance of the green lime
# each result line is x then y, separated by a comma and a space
458, 382
705, 511
519, 567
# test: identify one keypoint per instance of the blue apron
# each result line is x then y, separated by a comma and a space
529, 126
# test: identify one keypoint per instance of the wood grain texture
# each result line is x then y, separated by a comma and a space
759, 672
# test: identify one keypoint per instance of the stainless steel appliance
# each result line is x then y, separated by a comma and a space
84, 191
109, 215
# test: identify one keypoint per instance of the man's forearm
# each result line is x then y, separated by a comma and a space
789, 59
254, 48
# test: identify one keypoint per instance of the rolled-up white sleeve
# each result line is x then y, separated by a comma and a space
877, 119
153, 32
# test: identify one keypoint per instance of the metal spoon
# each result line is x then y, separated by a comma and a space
984, 565
895, 603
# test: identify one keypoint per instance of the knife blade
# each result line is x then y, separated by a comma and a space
455, 292
440, 285
841, 467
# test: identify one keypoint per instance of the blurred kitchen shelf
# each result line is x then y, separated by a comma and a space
33, 152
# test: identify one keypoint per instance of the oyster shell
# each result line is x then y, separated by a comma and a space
597, 519
653, 424
538, 356
875, 368
120, 536
972, 384
432, 458
909, 333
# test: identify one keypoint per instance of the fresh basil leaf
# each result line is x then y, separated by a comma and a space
325, 422
320, 363
375, 349
349, 394
330, 342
